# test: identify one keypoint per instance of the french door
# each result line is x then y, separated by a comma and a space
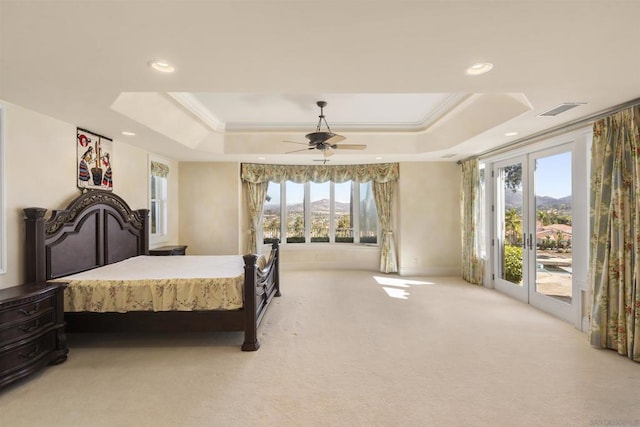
532, 239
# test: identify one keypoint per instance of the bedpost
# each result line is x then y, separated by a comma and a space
144, 245
35, 260
250, 316
276, 274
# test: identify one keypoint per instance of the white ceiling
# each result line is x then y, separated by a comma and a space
249, 73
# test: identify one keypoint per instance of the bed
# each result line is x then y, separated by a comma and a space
98, 230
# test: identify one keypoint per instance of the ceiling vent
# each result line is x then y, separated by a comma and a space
560, 109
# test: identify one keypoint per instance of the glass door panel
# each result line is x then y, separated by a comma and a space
553, 209
551, 220
510, 208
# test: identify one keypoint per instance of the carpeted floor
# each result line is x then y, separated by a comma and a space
344, 348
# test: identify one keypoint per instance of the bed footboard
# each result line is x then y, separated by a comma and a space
264, 284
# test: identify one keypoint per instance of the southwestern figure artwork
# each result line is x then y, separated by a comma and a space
94, 161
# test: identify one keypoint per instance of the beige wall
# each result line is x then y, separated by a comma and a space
212, 221
40, 171
209, 204
429, 219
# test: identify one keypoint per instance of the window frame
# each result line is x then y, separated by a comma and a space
355, 207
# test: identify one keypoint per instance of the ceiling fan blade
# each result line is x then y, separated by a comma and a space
349, 146
335, 138
295, 142
303, 149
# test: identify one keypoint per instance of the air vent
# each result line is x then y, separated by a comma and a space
560, 109
448, 156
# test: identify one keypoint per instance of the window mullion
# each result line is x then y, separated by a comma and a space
283, 212
307, 212
332, 211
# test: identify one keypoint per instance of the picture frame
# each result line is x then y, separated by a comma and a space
93, 161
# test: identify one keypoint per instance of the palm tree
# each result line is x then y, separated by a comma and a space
513, 226
543, 216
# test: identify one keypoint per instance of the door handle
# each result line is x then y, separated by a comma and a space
530, 241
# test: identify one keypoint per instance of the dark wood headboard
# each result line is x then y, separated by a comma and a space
96, 229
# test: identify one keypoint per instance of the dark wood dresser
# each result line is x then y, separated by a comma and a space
169, 250
31, 329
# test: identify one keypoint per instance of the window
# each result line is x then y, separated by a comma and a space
271, 214
319, 196
343, 212
320, 213
158, 200
294, 197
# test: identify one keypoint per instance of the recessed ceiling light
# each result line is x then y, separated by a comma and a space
479, 68
261, 158
162, 66
126, 132
378, 158
511, 134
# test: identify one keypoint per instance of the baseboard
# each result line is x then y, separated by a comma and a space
429, 271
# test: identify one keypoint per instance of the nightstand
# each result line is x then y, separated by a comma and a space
169, 250
31, 329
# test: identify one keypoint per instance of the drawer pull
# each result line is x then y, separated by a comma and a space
29, 313
31, 328
33, 354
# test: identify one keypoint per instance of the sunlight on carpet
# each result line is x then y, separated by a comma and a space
398, 291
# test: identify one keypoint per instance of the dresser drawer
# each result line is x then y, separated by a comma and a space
15, 330
28, 310
28, 353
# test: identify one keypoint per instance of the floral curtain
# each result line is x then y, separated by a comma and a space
615, 226
159, 169
471, 205
256, 192
382, 172
383, 194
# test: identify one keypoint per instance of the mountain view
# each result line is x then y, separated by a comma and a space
514, 201
320, 206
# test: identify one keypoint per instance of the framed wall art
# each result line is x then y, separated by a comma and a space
94, 156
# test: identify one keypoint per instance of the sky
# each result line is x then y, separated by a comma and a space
553, 176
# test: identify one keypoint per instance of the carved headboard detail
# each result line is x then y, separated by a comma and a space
96, 229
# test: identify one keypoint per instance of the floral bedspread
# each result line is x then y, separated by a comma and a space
158, 283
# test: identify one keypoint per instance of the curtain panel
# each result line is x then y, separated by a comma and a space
159, 169
256, 193
383, 195
382, 172
471, 205
615, 226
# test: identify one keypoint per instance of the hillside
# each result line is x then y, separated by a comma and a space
317, 206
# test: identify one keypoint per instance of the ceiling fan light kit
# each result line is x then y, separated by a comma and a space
325, 141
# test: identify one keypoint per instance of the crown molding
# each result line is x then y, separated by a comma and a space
195, 107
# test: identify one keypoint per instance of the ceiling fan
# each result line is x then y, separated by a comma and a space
325, 141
